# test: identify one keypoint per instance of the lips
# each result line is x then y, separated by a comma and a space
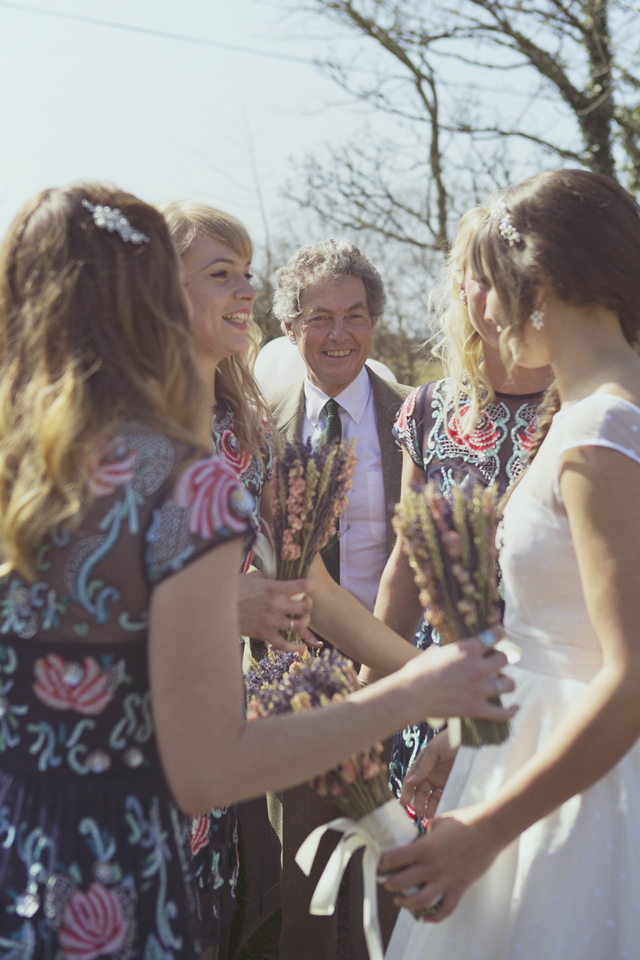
239, 319
337, 353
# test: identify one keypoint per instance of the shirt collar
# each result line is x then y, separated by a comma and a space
353, 398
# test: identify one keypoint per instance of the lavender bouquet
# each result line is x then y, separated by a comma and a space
450, 542
291, 682
311, 489
359, 786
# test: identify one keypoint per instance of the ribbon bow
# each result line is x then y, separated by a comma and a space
387, 827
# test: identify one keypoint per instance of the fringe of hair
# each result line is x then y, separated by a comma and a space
235, 382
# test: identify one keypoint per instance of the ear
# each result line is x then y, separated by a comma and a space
289, 331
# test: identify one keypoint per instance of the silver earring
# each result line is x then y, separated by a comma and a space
463, 295
537, 319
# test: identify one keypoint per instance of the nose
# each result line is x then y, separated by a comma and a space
246, 290
339, 329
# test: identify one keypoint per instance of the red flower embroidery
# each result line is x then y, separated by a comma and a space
199, 832
69, 686
93, 924
406, 411
484, 435
216, 496
526, 436
233, 452
109, 465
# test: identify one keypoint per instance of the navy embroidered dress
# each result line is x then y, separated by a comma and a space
214, 857
496, 450
93, 849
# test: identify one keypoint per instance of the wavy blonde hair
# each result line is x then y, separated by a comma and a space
187, 220
459, 346
93, 331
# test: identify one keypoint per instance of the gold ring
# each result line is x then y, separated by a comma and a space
292, 628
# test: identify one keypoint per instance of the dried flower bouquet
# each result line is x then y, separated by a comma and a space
450, 542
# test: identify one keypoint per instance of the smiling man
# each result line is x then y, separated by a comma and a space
328, 299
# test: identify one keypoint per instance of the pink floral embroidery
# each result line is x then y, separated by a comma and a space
406, 412
217, 498
109, 465
67, 686
93, 924
199, 832
483, 437
233, 452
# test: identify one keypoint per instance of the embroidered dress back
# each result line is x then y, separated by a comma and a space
92, 847
568, 887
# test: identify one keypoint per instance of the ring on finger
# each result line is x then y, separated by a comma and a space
292, 628
432, 908
488, 640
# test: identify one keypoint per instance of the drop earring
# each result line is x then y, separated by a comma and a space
463, 295
537, 319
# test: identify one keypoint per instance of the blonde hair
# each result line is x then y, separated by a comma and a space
235, 383
93, 331
460, 345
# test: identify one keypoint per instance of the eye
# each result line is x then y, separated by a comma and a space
248, 276
220, 274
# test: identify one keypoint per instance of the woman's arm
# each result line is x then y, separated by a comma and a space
398, 603
599, 488
211, 756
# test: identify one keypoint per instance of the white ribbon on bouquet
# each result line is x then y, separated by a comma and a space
385, 828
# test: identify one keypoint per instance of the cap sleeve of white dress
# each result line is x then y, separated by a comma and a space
601, 420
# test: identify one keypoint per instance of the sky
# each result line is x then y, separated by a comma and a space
166, 118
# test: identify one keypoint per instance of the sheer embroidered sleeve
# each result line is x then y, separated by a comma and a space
206, 506
409, 425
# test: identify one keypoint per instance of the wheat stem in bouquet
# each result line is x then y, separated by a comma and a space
450, 543
311, 489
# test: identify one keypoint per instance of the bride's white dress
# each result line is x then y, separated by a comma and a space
569, 887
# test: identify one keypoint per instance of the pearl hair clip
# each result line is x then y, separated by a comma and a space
113, 221
508, 232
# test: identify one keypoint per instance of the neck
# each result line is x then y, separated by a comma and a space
591, 354
518, 380
207, 369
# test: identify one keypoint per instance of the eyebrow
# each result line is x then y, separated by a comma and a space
360, 305
221, 260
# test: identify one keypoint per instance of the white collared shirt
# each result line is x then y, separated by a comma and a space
363, 528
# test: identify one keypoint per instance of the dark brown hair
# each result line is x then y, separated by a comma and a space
579, 233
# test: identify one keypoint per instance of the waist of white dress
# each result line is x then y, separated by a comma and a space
553, 657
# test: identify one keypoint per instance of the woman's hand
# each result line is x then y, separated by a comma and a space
458, 679
423, 785
266, 608
457, 850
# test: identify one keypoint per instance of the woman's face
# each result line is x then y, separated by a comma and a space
218, 285
475, 294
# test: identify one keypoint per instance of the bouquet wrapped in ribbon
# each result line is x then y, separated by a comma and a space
375, 819
450, 542
311, 489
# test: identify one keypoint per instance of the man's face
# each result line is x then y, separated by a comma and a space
333, 332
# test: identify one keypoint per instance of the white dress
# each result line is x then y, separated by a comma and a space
569, 886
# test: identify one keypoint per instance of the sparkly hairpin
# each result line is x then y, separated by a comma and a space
113, 221
508, 232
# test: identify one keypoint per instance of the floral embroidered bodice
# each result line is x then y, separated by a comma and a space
253, 473
495, 450
93, 852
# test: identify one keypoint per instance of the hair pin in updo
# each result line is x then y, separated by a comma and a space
106, 218
508, 232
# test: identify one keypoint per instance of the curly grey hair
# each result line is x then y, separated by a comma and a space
330, 259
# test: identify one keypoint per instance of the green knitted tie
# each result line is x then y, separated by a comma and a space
331, 433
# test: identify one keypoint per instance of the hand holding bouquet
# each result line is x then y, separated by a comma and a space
451, 548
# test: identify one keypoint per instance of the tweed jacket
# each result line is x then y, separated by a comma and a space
288, 407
